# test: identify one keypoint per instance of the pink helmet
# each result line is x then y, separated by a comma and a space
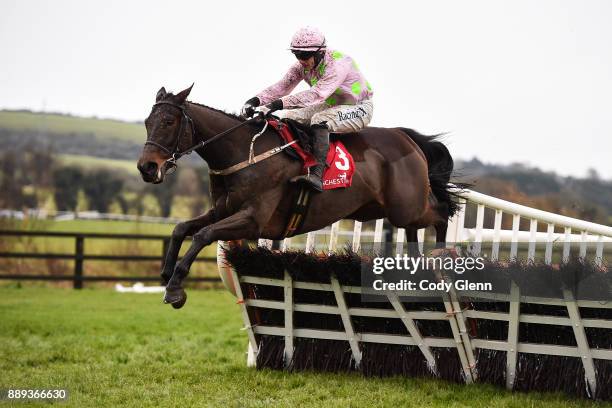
307, 39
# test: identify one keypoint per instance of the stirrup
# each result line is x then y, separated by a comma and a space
312, 182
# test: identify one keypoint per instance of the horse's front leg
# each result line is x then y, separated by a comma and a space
181, 230
241, 225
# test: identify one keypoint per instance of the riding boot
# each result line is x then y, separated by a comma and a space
320, 148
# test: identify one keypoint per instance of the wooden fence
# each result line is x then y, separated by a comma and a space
79, 257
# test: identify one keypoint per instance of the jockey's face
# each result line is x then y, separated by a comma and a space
308, 63
306, 58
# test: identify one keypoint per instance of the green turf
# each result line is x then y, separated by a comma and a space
52, 123
111, 349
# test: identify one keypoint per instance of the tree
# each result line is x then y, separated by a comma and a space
124, 204
164, 194
67, 182
38, 164
203, 200
11, 194
193, 183
593, 174
101, 187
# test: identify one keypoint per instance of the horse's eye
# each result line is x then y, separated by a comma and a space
168, 122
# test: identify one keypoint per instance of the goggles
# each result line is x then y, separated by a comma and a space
303, 55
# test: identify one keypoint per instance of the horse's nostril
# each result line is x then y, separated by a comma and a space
148, 168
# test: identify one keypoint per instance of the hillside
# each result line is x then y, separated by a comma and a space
587, 198
74, 136
52, 123
92, 142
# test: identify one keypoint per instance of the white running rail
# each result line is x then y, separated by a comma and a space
574, 230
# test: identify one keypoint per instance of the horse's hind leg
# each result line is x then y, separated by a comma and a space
412, 240
441, 229
237, 226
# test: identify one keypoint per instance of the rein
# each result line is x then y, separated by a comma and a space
252, 158
176, 154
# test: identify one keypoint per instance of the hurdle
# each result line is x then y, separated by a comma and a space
303, 311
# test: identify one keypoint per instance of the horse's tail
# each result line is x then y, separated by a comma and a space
440, 164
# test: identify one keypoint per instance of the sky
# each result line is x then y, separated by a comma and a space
510, 81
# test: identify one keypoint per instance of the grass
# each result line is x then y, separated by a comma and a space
111, 349
53, 123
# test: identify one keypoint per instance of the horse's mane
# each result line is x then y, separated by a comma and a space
229, 115
170, 95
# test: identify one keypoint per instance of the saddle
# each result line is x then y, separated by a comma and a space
339, 167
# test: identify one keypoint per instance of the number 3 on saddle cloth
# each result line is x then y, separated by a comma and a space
340, 165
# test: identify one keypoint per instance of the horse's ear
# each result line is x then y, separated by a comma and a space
160, 94
182, 96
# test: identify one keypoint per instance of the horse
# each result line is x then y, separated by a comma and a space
400, 175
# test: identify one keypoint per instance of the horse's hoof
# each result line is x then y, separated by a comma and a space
176, 297
181, 302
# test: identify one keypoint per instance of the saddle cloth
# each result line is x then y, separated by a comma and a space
340, 165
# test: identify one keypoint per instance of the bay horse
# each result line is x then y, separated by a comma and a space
400, 175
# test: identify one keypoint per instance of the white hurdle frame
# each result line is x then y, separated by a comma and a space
574, 231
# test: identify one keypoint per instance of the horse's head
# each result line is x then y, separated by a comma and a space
169, 131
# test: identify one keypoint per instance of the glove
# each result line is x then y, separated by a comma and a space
275, 105
248, 110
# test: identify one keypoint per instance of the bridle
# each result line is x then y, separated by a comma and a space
174, 153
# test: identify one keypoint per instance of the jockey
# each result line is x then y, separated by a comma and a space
339, 99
